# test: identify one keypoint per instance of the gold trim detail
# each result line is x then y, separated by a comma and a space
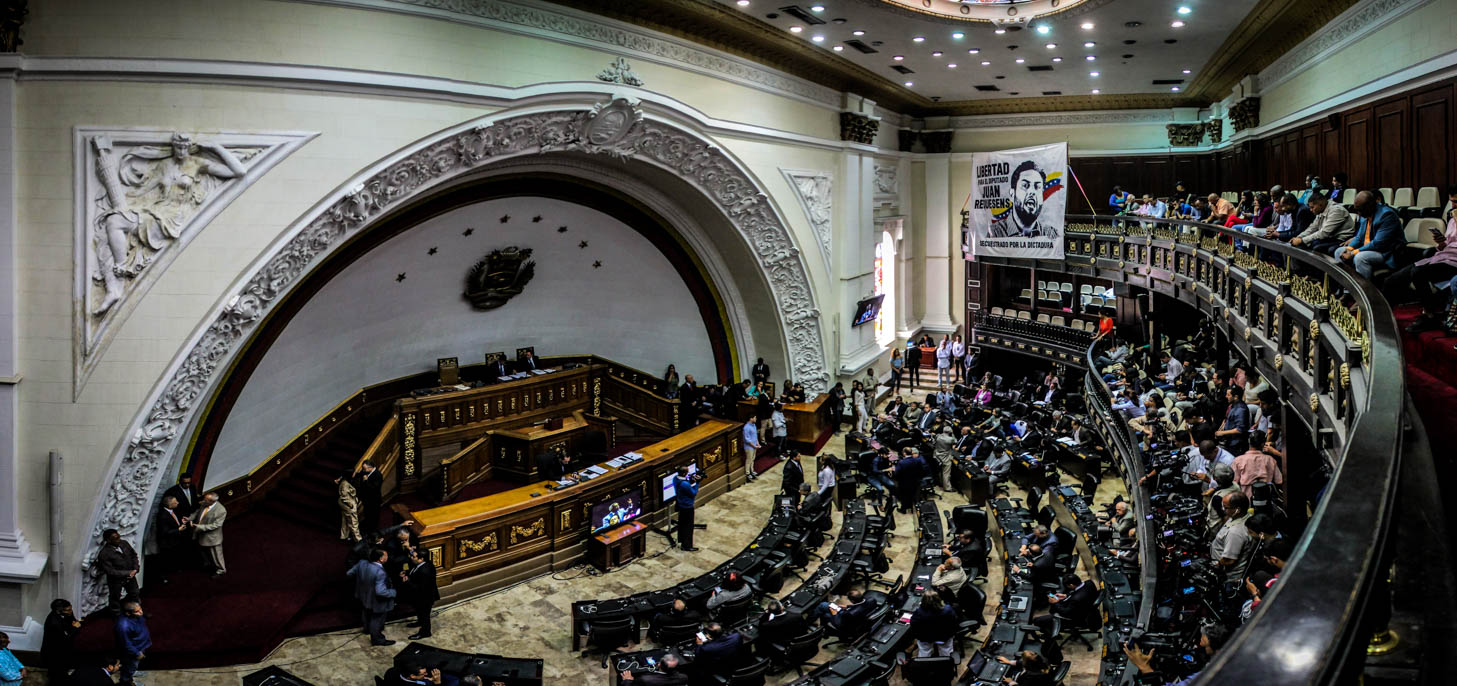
1345, 375
532, 530
1314, 402
485, 544
437, 556
1279, 362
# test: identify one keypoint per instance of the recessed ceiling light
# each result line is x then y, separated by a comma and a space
936, 53
898, 57
912, 83
985, 63
858, 32
1057, 59
1177, 24
1096, 91
818, 39
951, 66
958, 35
1184, 10
1052, 46
1000, 31
1092, 57
1089, 44
1087, 26
796, 29
1175, 88
973, 51
839, 48
743, 3
1020, 60
1093, 74
1186, 71
919, 39
1043, 29
816, 8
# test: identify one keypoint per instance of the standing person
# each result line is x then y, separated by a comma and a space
58, 646
172, 539
913, 360
897, 367
945, 446
779, 428
751, 448
825, 481
374, 594
185, 492
419, 580
857, 392
97, 674
348, 509
684, 491
670, 377
11, 671
760, 371
863, 402
369, 487
118, 561
207, 530
837, 405
908, 474
133, 640
933, 625
943, 361
793, 477
958, 357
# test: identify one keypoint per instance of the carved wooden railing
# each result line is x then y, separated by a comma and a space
1062, 343
464, 468
1328, 343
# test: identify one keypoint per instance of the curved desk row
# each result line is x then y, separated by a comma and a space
517, 534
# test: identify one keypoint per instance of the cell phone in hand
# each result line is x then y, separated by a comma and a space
702, 637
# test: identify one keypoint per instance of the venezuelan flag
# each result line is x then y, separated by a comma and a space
1054, 184
999, 214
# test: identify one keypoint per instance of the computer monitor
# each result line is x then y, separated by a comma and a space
619, 510
867, 310
670, 493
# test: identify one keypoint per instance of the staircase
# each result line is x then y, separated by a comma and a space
307, 494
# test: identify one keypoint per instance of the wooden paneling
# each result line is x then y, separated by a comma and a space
1391, 145
1432, 136
1356, 142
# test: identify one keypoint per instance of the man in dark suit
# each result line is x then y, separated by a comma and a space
909, 472
97, 674
793, 476
552, 466
58, 646
1073, 606
929, 415
421, 591
118, 561
670, 673
777, 627
971, 550
850, 620
1043, 570
411, 674
369, 484
718, 656
913, 364
185, 492
760, 371
172, 539
497, 368
527, 362
376, 598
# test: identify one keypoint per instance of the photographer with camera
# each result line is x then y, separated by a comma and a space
1212, 637
685, 489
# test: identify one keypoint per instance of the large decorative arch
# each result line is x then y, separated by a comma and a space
614, 126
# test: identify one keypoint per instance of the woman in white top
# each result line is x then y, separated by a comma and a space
943, 361
779, 427
958, 355
857, 404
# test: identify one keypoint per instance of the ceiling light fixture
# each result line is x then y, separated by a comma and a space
1092, 58
973, 51
1052, 46
951, 66
796, 29
1175, 88
1096, 91
839, 48
1186, 71
919, 39
1089, 44
910, 83
858, 32
958, 35
1093, 74
818, 38
816, 8
1184, 10
1087, 26
1177, 24
1043, 29
985, 63
1020, 60
898, 57
1057, 59
936, 53
1000, 31
743, 3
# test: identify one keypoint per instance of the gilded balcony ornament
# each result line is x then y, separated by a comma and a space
1314, 402
1279, 362
1345, 375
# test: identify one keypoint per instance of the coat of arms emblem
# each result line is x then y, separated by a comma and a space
499, 277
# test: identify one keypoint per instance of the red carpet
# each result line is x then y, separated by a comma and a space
1431, 380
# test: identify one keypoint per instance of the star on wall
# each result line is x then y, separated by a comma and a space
432, 250
505, 218
582, 245
467, 232
561, 229
595, 265
400, 278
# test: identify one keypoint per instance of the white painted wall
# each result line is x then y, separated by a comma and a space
364, 327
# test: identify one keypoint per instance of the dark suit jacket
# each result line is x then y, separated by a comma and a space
498, 369
117, 560
719, 656
169, 538
186, 500
793, 476
422, 587
549, 468
1044, 569
674, 678
371, 588
91, 676
1078, 604
59, 643
369, 487
852, 620
526, 364
782, 629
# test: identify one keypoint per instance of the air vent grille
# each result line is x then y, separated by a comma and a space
861, 46
1167, 82
801, 14
988, 88
1039, 67
902, 69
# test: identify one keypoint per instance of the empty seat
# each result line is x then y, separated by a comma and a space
1042, 319
1094, 303
1026, 295
1059, 321
1054, 298
1066, 288
1427, 197
1348, 197
1041, 295
1087, 289
1386, 193
1024, 315
996, 311
1419, 232
1041, 285
1402, 198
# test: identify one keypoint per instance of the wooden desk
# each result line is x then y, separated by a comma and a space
502, 538
617, 547
514, 451
806, 422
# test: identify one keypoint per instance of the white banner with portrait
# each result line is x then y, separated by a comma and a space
1018, 201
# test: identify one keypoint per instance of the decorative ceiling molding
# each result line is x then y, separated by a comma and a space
1357, 22
141, 195
977, 13
1130, 116
1270, 30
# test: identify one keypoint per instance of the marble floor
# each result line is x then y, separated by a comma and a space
533, 617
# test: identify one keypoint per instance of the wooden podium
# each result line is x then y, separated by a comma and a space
617, 546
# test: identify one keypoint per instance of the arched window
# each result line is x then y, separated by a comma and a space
885, 285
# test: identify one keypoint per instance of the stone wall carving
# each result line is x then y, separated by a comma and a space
614, 128
936, 142
887, 179
1215, 129
1244, 114
816, 192
620, 72
1185, 134
858, 128
906, 139
142, 196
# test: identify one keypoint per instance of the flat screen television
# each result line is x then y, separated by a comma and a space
619, 510
670, 493
867, 310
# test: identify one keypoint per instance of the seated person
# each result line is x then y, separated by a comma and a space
1121, 521
933, 625
1040, 536
412, 674
734, 588
1074, 606
1212, 637
948, 578
1333, 224
553, 465
849, 619
719, 655
970, 550
1030, 668
1291, 219
669, 672
1418, 282
1378, 238
998, 465
880, 470
677, 615
811, 505
1043, 569
778, 626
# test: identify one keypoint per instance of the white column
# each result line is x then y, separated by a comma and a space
854, 242
938, 245
19, 565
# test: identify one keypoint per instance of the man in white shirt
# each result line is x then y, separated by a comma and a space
751, 447
958, 356
1173, 369
825, 482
